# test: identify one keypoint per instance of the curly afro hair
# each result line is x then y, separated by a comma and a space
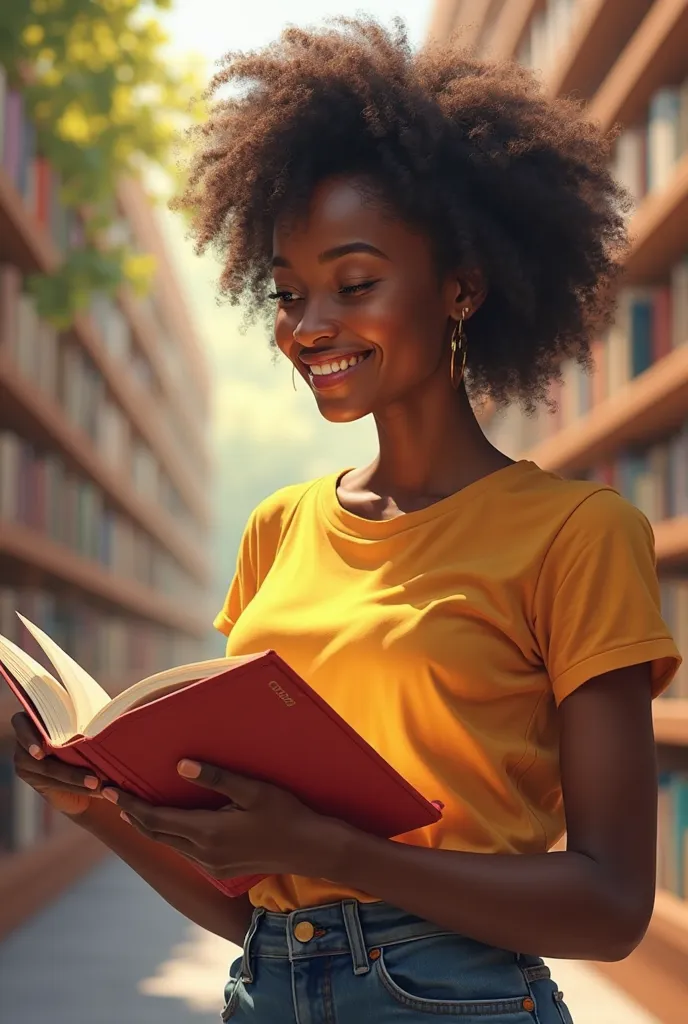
499, 175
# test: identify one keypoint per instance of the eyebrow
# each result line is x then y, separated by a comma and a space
337, 252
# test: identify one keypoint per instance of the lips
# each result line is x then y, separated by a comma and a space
331, 371
333, 361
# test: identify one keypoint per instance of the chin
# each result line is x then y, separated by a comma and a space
335, 412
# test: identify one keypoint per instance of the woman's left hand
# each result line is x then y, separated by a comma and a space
262, 830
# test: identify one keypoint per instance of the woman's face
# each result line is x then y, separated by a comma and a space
357, 288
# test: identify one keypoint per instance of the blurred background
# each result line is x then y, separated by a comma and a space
141, 421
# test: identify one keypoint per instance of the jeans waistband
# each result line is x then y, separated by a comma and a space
336, 928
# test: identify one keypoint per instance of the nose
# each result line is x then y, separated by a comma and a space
314, 326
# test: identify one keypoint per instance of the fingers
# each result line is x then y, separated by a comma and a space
49, 769
242, 792
27, 735
38, 782
178, 843
159, 820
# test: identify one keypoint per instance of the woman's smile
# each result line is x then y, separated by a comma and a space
329, 371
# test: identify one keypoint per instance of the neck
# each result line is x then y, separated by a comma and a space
432, 446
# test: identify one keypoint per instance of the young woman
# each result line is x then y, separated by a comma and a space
429, 222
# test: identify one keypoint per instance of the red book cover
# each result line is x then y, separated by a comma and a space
259, 719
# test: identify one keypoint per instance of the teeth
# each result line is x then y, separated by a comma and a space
336, 366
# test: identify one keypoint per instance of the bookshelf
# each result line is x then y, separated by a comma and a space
628, 60
104, 480
671, 722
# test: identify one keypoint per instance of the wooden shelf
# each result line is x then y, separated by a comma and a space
671, 540
655, 56
34, 549
601, 30
648, 406
137, 206
44, 420
656, 974
135, 403
670, 922
22, 240
659, 230
671, 721
510, 26
33, 877
145, 332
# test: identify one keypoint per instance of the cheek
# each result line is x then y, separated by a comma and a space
283, 331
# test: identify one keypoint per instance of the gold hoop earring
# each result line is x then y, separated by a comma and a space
293, 377
458, 344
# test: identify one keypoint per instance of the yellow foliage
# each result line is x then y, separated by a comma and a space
139, 269
73, 125
121, 108
105, 42
34, 35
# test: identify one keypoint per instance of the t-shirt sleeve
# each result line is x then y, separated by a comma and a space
244, 582
597, 601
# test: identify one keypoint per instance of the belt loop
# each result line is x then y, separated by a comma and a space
246, 968
352, 923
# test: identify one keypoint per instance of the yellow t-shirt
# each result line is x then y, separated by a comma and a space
446, 637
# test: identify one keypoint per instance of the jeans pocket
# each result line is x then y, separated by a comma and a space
232, 990
432, 976
561, 1006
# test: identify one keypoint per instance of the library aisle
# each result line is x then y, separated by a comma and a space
110, 951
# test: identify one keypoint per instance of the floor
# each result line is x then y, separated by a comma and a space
111, 952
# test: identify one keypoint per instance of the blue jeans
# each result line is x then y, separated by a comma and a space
350, 963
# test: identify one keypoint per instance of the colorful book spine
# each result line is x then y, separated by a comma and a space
674, 593
663, 137
115, 648
672, 834
38, 490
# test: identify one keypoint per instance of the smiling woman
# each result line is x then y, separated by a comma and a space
418, 227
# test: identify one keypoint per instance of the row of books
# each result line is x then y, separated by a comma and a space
672, 834
547, 34
654, 478
116, 332
675, 611
114, 648
649, 324
646, 154
40, 491
31, 174
63, 371
25, 818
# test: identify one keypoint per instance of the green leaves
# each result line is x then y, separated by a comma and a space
105, 101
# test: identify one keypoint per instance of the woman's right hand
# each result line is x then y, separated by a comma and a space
66, 788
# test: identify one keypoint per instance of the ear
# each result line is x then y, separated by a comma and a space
469, 290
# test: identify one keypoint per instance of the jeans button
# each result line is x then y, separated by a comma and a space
304, 931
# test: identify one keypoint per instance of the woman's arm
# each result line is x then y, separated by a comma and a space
592, 902
76, 793
170, 874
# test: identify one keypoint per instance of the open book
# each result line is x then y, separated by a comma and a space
74, 704
252, 715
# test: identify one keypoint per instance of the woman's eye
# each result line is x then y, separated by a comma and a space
283, 296
354, 289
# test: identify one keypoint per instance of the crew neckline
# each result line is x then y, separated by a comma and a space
354, 525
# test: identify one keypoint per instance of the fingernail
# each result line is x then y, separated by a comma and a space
36, 752
91, 782
125, 817
189, 769
112, 795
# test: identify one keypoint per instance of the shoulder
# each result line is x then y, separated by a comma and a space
273, 514
587, 510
